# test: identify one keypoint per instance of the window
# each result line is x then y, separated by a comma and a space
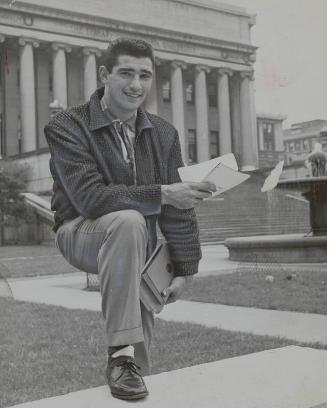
189, 93
305, 144
214, 144
166, 89
212, 94
268, 136
192, 153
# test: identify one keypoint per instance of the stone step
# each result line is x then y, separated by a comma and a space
288, 377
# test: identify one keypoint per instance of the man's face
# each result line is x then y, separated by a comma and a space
128, 83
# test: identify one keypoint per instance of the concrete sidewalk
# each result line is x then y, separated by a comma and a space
289, 377
66, 291
302, 327
215, 261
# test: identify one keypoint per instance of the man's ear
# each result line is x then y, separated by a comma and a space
103, 74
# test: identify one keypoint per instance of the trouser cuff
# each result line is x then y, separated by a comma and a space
126, 337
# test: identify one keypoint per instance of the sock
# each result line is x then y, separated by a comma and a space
123, 351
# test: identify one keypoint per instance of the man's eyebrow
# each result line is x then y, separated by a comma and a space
133, 70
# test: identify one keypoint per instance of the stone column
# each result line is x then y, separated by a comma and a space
177, 104
151, 102
254, 123
201, 109
60, 73
27, 94
90, 71
249, 158
236, 117
2, 142
225, 135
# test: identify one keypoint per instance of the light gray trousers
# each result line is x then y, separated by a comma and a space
114, 247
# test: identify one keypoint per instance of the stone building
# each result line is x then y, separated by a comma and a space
300, 139
50, 50
270, 139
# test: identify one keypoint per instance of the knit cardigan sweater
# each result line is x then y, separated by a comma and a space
91, 177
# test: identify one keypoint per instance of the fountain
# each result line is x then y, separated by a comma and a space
294, 248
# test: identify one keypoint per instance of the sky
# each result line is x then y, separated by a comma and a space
291, 66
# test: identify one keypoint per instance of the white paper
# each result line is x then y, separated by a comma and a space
198, 172
225, 178
272, 180
221, 171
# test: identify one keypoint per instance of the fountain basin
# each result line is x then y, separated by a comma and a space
290, 248
313, 189
286, 248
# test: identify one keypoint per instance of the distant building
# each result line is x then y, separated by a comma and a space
50, 50
299, 140
270, 139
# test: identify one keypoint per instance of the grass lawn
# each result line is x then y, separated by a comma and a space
21, 261
304, 292
47, 350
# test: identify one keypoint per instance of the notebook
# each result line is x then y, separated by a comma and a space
157, 275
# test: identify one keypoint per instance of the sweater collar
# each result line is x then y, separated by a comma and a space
99, 119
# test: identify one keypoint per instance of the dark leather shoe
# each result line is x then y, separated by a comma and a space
124, 378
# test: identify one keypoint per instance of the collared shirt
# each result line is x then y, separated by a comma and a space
128, 127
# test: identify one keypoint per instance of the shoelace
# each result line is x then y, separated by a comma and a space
131, 366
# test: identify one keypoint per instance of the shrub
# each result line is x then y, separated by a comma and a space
13, 182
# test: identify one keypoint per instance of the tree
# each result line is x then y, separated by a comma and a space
13, 210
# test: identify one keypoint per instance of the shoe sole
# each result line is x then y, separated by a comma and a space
130, 397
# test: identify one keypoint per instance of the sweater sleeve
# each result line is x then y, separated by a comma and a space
178, 226
78, 175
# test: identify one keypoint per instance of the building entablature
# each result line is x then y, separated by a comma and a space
271, 117
76, 29
184, 16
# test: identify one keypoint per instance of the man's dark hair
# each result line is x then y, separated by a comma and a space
126, 46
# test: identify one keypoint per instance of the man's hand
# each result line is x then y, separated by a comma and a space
186, 195
176, 288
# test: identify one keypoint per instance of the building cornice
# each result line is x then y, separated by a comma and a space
225, 8
271, 116
104, 27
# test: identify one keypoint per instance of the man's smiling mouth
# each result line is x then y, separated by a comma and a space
133, 95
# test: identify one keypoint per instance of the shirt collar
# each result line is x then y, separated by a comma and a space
129, 122
100, 119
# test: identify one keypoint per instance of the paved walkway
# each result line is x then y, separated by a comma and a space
302, 327
66, 290
289, 377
